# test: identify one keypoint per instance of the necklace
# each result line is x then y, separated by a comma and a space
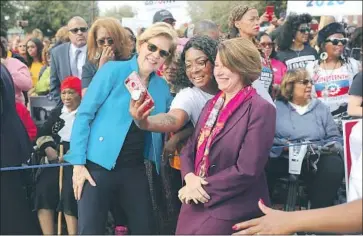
332, 71
297, 51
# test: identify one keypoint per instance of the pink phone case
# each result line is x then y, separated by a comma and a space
136, 88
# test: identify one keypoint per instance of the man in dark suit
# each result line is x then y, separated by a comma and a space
16, 215
68, 58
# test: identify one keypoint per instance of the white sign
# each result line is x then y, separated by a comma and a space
134, 23
177, 8
325, 8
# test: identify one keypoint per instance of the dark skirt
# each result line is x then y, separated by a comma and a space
47, 191
164, 189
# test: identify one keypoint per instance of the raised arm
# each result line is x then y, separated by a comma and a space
344, 218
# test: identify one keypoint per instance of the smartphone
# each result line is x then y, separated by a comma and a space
270, 11
314, 27
135, 86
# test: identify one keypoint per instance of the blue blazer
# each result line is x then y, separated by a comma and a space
103, 117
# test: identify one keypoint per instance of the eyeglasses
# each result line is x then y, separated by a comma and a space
305, 81
336, 41
304, 30
82, 29
102, 42
199, 65
153, 48
270, 45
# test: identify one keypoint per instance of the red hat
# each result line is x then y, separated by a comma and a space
72, 82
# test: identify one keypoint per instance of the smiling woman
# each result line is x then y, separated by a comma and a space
108, 149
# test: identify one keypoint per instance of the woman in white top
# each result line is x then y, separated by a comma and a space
332, 74
196, 73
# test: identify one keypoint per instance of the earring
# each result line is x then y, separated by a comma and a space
323, 56
97, 56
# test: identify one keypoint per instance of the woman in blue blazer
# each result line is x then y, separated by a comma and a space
107, 148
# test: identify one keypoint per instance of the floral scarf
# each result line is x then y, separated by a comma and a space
214, 123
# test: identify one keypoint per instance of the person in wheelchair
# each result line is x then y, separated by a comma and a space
301, 118
56, 131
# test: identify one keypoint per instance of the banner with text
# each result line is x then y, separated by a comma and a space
325, 8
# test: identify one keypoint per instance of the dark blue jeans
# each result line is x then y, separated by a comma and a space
133, 195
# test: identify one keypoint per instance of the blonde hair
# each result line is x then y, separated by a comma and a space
62, 34
241, 56
37, 33
288, 80
156, 30
45, 53
119, 35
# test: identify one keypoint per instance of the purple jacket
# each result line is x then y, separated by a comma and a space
237, 159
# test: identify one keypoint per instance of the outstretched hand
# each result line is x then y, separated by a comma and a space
273, 222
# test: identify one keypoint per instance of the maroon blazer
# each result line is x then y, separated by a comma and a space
238, 156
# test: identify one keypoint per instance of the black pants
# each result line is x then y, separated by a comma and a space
16, 215
134, 197
322, 186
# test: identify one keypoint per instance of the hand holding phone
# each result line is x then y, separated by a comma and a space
270, 12
142, 102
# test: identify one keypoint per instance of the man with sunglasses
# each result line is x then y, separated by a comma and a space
68, 59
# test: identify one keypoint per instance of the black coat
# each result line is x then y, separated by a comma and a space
16, 215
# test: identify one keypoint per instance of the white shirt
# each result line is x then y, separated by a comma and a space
260, 89
332, 86
301, 110
355, 178
192, 101
68, 117
81, 57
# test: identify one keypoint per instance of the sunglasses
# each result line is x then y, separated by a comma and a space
336, 41
102, 42
82, 29
304, 30
264, 45
305, 81
153, 48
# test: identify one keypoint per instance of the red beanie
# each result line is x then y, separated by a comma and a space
72, 82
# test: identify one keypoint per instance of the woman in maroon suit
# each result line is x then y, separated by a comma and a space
223, 162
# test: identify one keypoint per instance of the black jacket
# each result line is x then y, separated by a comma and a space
15, 143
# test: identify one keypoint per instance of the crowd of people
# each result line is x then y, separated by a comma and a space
191, 154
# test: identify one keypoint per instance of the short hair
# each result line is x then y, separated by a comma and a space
203, 26
37, 33
62, 34
241, 56
236, 14
156, 30
288, 81
76, 18
118, 34
203, 43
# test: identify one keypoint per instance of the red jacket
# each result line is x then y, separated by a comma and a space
25, 117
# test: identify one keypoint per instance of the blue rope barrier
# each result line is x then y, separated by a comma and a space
12, 168
24, 167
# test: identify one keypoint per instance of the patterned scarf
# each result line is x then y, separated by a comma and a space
214, 123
